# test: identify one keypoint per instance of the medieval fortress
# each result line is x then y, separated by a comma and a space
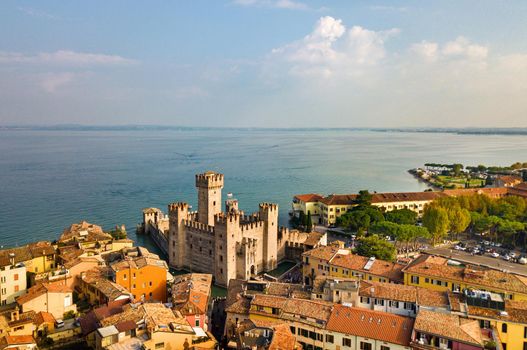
229, 244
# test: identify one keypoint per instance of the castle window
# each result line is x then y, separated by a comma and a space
221, 271
504, 328
214, 203
210, 252
221, 257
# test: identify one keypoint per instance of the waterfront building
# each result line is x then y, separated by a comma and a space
339, 262
13, 280
191, 296
38, 259
438, 273
55, 298
18, 342
142, 273
331, 207
229, 244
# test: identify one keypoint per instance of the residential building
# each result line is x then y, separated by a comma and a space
360, 329
400, 299
438, 273
505, 320
191, 294
335, 290
342, 263
142, 273
97, 287
253, 334
18, 342
308, 203
13, 280
38, 259
438, 330
55, 298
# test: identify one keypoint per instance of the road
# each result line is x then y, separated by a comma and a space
484, 260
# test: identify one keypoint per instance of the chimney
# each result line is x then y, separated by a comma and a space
15, 314
12, 259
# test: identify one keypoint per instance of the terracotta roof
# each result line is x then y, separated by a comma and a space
313, 238
240, 306
510, 179
435, 266
26, 253
322, 253
405, 197
309, 197
24, 318
126, 326
283, 339
89, 322
378, 325
41, 289
319, 310
390, 270
339, 199
491, 191
84, 231
44, 317
449, 326
138, 263
98, 278
269, 301
191, 293
18, 339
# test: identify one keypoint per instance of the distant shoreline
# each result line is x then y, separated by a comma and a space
74, 127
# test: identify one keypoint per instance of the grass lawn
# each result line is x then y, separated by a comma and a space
459, 182
281, 268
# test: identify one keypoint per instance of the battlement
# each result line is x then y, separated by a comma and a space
178, 206
210, 179
198, 226
269, 206
251, 225
223, 218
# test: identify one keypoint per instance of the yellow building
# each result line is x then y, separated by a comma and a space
338, 262
503, 320
38, 257
437, 273
333, 206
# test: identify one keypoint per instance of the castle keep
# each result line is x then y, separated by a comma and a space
229, 244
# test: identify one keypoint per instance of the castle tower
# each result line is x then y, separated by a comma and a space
209, 187
227, 233
269, 214
177, 235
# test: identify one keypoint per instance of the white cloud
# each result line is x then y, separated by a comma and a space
330, 48
33, 12
427, 50
463, 47
51, 82
280, 4
65, 57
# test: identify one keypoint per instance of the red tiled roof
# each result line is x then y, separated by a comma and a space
309, 197
44, 317
378, 325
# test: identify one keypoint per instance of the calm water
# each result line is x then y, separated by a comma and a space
50, 179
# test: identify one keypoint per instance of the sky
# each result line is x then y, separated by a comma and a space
264, 63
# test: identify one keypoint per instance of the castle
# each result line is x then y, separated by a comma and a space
229, 244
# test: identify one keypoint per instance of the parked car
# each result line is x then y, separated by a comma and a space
59, 323
494, 255
506, 257
459, 247
512, 254
522, 260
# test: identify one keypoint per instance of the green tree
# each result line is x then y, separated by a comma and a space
435, 219
309, 222
402, 216
375, 246
456, 168
363, 198
459, 219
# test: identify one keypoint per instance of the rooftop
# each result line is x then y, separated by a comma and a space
390, 270
436, 266
43, 288
448, 326
84, 231
382, 326
400, 292
191, 293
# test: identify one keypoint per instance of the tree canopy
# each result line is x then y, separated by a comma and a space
376, 246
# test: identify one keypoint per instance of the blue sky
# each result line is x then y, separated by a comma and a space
266, 63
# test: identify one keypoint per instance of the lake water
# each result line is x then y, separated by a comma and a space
50, 179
